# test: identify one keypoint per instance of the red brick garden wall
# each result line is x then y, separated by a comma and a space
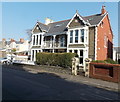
108, 72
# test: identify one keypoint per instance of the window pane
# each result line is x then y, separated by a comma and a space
76, 39
75, 51
76, 36
76, 32
34, 40
71, 33
81, 53
40, 40
71, 36
81, 60
82, 35
70, 51
71, 39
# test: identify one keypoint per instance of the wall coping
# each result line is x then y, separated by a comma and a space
106, 64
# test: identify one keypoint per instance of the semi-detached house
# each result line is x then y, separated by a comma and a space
89, 37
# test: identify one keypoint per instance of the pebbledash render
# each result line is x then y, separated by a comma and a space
89, 37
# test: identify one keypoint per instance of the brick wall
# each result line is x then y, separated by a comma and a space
108, 72
104, 47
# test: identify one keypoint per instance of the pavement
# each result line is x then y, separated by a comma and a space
79, 78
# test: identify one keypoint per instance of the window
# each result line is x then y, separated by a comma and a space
62, 41
76, 36
105, 41
70, 51
37, 40
76, 51
34, 40
40, 40
33, 55
81, 56
71, 36
82, 35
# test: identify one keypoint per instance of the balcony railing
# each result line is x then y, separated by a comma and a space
49, 44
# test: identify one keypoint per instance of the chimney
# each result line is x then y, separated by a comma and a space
103, 11
12, 40
21, 40
48, 20
3, 39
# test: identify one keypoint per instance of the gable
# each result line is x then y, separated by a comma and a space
37, 29
76, 22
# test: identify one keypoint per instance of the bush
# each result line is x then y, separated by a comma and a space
55, 59
109, 61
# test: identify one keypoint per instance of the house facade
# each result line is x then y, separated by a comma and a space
89, 37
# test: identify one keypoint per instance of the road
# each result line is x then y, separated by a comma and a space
24, 85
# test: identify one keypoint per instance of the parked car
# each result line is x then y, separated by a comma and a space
5, 61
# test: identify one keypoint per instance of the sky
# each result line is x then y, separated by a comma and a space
17, 17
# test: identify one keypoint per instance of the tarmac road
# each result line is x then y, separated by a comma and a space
24, 85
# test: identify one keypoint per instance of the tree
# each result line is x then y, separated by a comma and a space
29, 33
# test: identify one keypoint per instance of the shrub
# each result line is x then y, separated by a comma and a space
55, 59
109, 60
99, 61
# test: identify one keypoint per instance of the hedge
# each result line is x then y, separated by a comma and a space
55, 59
109, 61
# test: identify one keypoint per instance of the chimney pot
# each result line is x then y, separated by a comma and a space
103, 11
12, 40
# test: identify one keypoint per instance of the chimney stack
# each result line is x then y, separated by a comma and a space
48, 20
21, 40
12, 40
3, 39
103, 11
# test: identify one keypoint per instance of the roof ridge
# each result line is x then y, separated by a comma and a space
60, 21
42, 23
91, 15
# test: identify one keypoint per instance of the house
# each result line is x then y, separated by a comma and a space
89, 37
116, 54
2, 48
21, 46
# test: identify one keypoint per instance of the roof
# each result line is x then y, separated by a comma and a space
60, 26
43, 26
94, 19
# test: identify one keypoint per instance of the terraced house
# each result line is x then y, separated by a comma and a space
89, 37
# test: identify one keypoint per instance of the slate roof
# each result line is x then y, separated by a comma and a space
94, 19
43, 26
60, 26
